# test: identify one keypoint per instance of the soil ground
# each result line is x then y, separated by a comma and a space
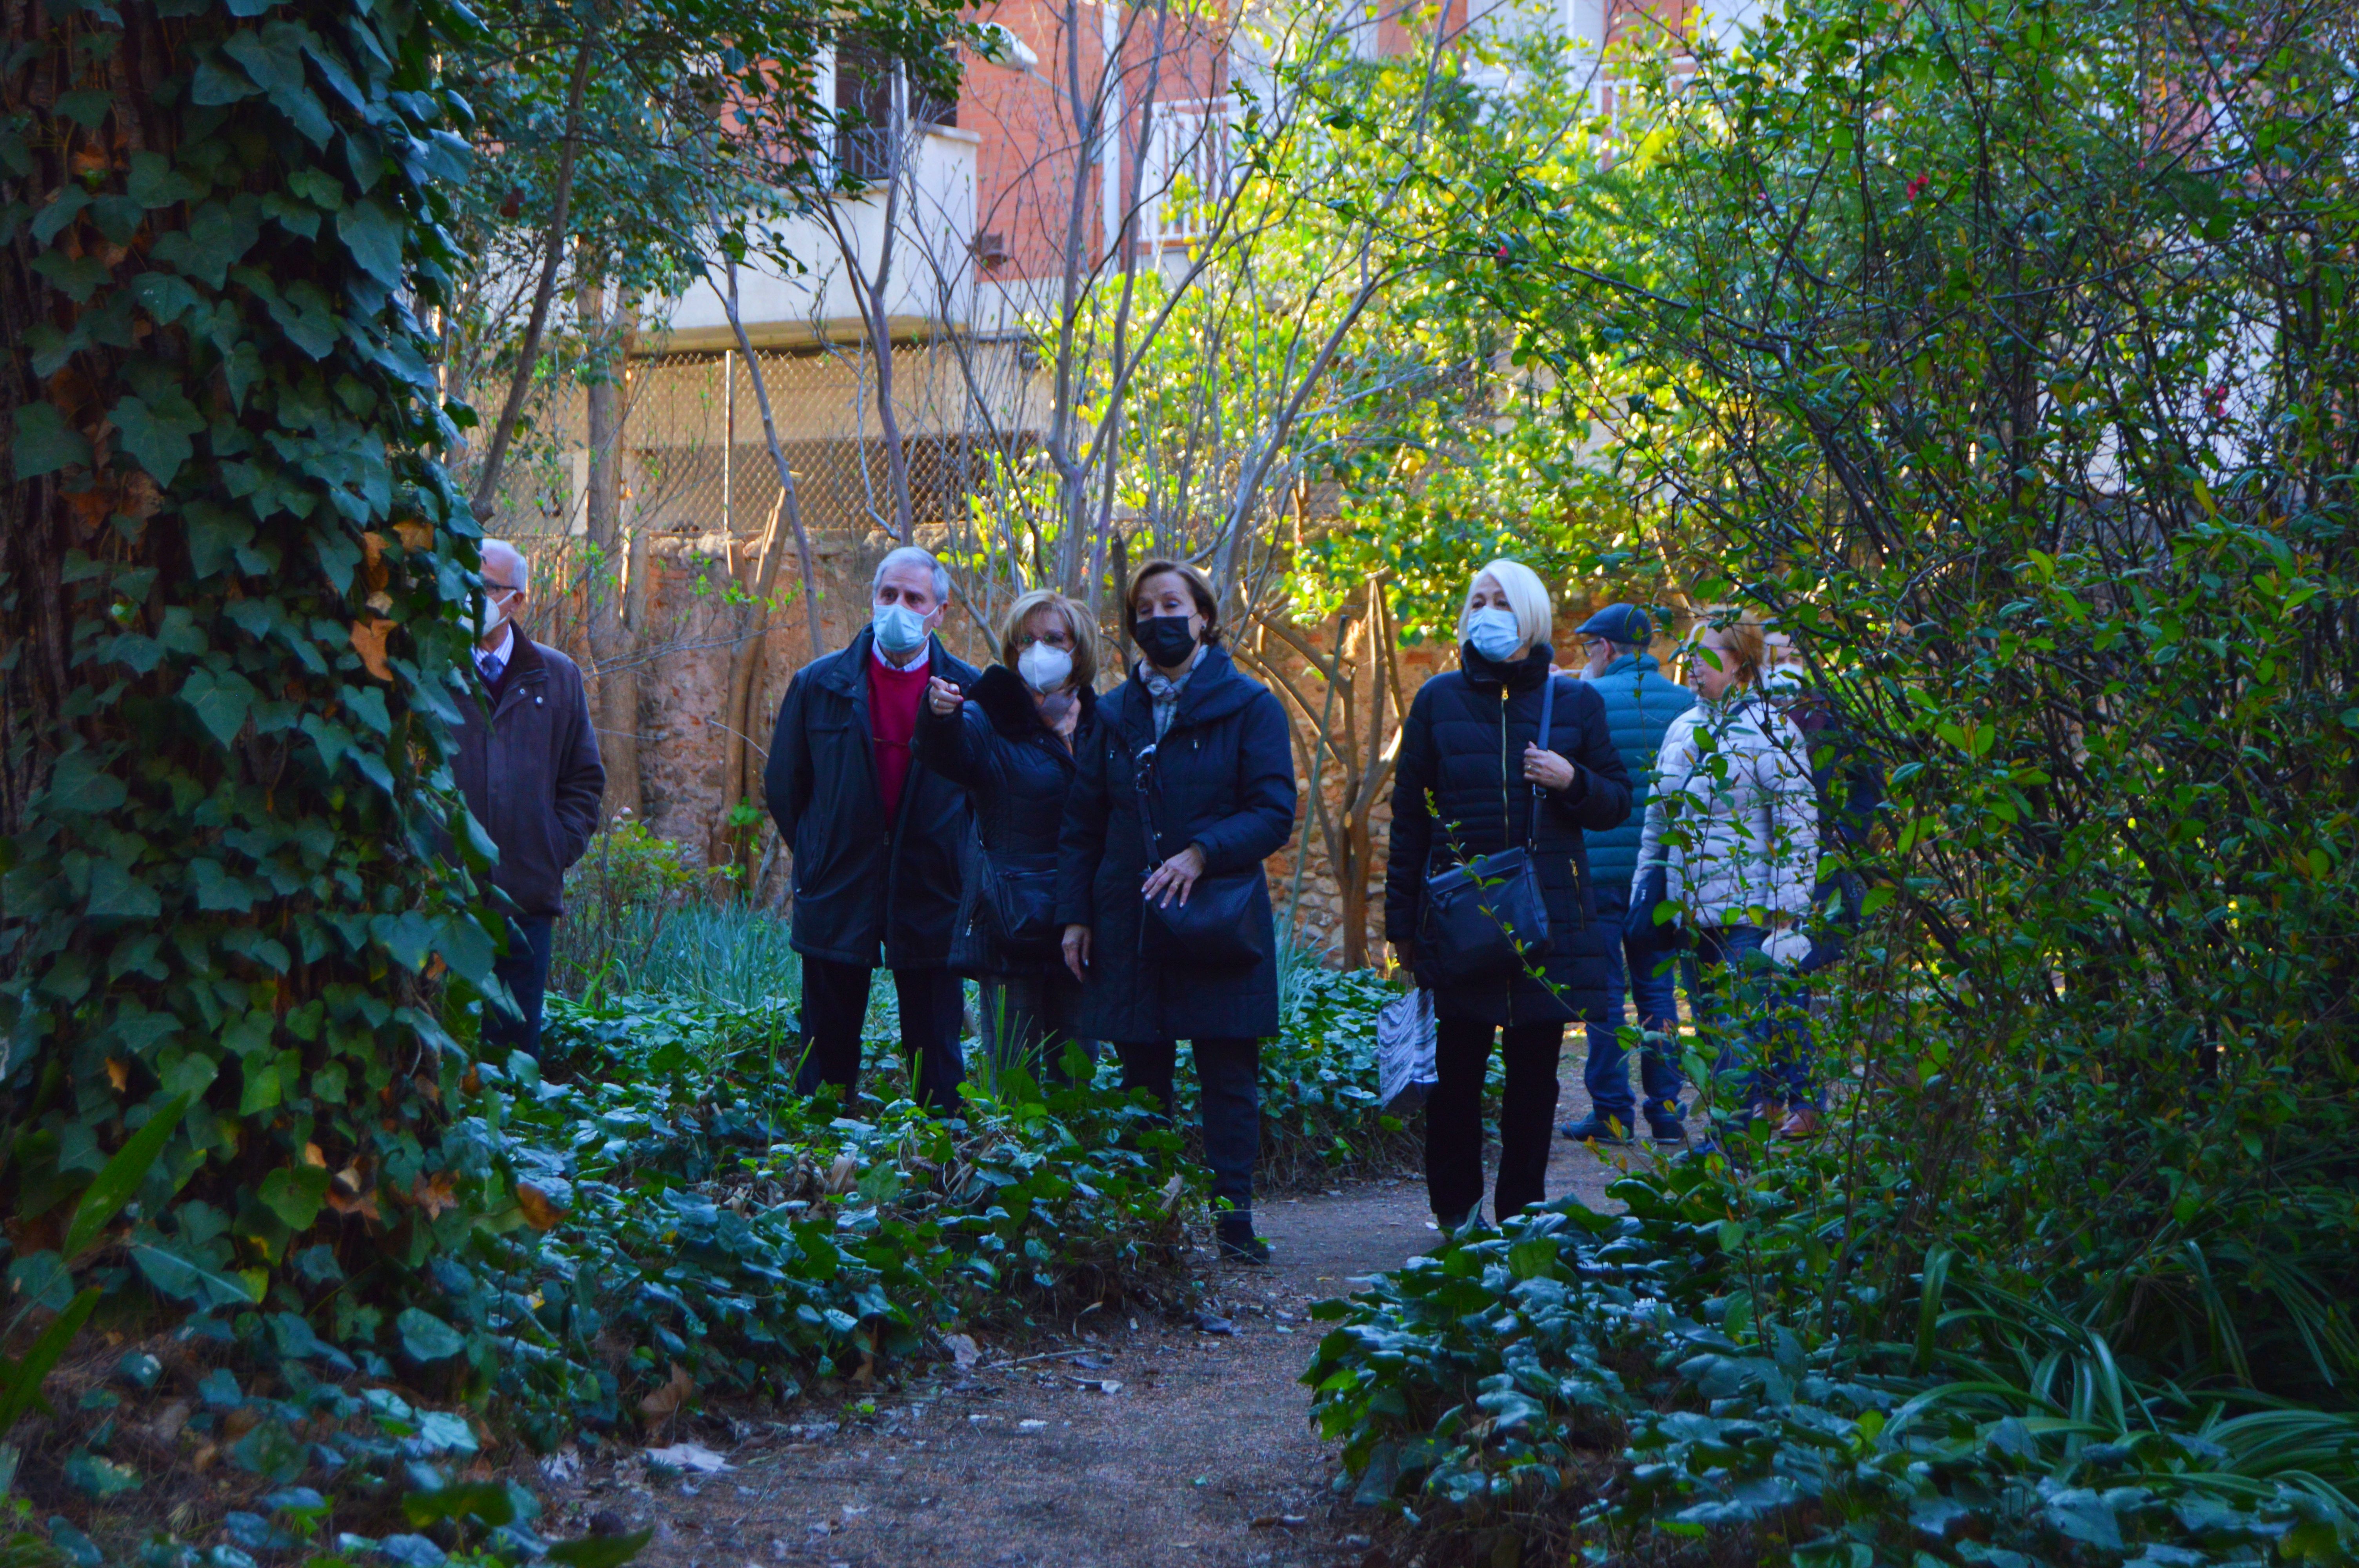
1134, 1443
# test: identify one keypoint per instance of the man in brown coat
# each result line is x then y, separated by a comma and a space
526, 761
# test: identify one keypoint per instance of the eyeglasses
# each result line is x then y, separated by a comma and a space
500, 588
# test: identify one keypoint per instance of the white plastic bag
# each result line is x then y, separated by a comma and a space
1405, 1052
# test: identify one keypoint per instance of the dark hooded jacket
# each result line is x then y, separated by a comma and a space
1224, 782
1015, 772
530, 773
862, 885
1459, 790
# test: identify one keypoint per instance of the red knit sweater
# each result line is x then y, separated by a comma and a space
893, 698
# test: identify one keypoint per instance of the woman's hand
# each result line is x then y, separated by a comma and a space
1077, 951
943, 697
1545, 769
1175, 876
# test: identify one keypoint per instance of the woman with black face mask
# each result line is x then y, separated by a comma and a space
1186, 788
1492, 761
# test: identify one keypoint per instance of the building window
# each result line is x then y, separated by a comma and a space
867, 81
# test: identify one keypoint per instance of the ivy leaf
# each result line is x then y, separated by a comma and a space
466, 947
164, 296
86, 108
159, 438
374, 236
154, 182
428, 1337
215, 534
60, 211
216, 83
46, 443
220, 700
183, 1281
114, 891
77, 277
296, 1194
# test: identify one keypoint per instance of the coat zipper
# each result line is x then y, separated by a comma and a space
1506, 817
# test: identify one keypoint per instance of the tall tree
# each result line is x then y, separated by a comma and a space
234, 577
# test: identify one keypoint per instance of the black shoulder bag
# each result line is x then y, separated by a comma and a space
1487, 917
1016, 906
1218, 928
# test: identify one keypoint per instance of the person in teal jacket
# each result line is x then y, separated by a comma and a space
1639, 706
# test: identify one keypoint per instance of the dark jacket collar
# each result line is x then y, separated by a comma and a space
525, 667
1525, 674
1007, 702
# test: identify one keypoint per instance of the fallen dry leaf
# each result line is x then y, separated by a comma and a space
368, 642
664, 1402
964, 1350
538, 1211
436, 1197
414, 534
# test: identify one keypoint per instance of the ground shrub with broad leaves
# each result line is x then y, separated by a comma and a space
685, 1223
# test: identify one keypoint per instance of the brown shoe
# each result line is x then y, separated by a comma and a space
1804, 1123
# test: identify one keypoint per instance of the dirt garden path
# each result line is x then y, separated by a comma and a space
1138, 1444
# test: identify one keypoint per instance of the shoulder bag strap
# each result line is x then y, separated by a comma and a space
1547, 718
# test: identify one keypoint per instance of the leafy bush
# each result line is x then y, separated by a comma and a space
681, 1219
1713, 1363
621, 898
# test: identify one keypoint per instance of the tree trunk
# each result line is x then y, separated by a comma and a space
617, 569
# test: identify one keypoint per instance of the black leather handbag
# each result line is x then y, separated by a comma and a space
1219, 926
1018, 908
1485, 918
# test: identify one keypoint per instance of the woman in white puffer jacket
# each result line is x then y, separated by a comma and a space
1731, 830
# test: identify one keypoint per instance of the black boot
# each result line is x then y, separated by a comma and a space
1238, 1243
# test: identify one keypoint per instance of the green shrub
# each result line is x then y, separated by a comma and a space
702, 1216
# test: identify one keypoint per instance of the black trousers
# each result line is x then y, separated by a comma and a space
525, 972
835, 1001
1228, 1087
1453, 1116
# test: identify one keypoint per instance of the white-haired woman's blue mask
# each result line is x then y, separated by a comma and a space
1494, 634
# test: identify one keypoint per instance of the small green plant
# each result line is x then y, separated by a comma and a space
619, 897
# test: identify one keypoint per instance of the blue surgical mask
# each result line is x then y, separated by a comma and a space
899, 629
1493, 635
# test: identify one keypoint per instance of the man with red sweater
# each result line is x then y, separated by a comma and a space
876, 838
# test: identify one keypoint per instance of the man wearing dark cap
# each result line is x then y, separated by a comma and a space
1639, 706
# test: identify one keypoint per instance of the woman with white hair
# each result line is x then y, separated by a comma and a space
1496, 757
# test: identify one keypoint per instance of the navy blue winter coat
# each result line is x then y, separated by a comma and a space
1016, 772
1459, 790
862, 885
1225, 781
1639, 706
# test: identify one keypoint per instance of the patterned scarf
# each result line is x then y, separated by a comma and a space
1166, 689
